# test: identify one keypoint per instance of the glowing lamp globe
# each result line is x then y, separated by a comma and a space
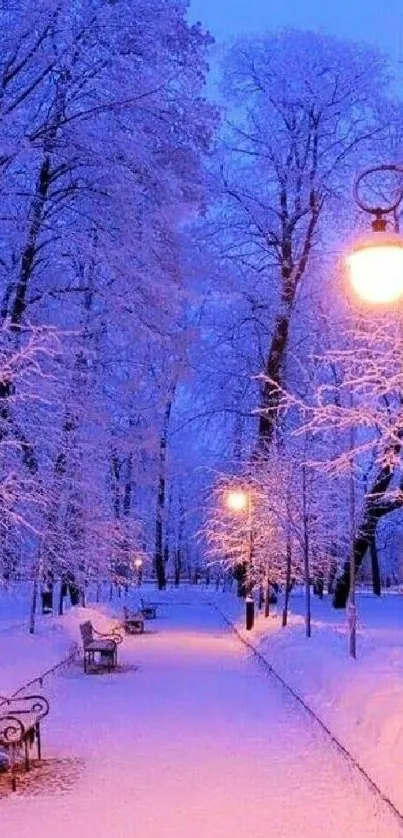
237, 500
138, 563
376, 267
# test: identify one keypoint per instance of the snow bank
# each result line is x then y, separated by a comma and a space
24, 657
360, 701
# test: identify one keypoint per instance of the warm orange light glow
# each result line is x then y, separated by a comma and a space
237, 500
376, 268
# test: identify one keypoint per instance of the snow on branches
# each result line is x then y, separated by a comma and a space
278, 535
104, 131
347, 401
28, 378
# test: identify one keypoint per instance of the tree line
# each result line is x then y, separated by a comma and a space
173, 312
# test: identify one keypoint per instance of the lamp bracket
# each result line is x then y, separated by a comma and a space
379, 223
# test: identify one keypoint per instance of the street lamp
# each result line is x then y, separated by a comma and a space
376, 274
239, 500
138, 564
376, 261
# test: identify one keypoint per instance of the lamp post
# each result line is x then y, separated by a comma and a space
239, 501
376, 274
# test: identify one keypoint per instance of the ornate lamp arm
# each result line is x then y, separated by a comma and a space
379, 212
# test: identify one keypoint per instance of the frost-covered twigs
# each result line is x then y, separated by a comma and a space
356, 385
28, 385
28, 362
287, 161
292, 541
96, 191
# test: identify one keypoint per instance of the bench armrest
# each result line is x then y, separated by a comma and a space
12, 729
38, 705
113, 635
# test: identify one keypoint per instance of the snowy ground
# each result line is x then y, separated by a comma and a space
360, 701
189, 738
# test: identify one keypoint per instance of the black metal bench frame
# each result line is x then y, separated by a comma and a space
133, 623
95, 642
20, 727
149, 609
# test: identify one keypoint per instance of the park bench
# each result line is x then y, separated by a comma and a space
20, 727
149, 609
96, 643
133, 623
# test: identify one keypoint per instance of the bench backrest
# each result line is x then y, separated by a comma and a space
86, 632
146, 604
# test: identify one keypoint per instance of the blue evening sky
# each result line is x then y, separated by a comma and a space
379, 22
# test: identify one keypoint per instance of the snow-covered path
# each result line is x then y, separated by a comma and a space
198, 742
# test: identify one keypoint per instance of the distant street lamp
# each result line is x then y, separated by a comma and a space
138, 564
239, 500
376, 274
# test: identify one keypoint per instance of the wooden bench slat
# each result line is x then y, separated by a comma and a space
100, 645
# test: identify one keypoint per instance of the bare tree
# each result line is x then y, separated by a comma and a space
305, 108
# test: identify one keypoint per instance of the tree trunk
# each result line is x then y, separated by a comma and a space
159, 549
287, 583
177, 572
269, 394
292, 272
332, 576
362, 543
288, 558
159, 562
62, 590
267, 598
376, 575
128, 488
159, 544
373, 511
308, 629
352, 609
30, 250
180, 546
239, 573
34, 602
260, 602
307, 578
